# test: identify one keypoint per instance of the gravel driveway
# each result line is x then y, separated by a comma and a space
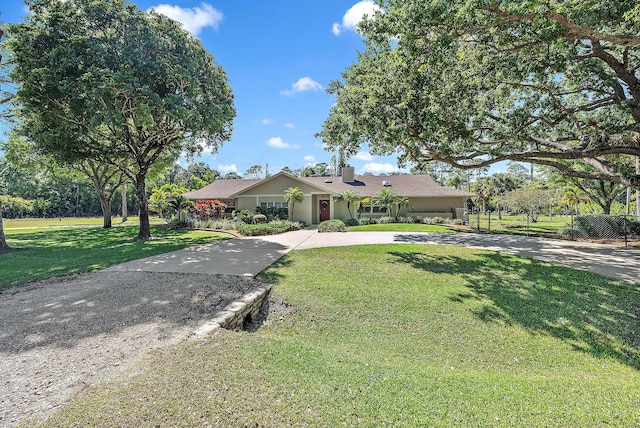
60, 336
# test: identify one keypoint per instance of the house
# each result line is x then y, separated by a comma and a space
427, 198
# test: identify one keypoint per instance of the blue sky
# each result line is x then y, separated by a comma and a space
280, 56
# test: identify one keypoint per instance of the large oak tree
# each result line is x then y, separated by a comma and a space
103, 80
475, 82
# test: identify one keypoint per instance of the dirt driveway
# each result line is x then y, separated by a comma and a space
58, 337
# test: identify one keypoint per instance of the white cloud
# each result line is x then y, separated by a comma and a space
354, 15
266, 121
379, 168
192, 19
277, 143
364, 156
303, 84
224, 169
289, 125
309, 159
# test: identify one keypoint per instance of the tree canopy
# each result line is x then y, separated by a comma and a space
475, 82
109, 82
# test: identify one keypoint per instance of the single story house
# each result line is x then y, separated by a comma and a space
426, 197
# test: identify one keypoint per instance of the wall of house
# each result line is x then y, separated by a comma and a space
434, 205
301, 212
277, 186
340, 211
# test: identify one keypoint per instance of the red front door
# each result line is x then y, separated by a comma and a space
324, 210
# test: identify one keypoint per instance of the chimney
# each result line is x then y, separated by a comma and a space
348, 174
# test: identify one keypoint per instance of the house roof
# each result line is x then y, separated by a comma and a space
367, 185
404, 185
222, 189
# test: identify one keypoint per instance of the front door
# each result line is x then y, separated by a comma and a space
324, 210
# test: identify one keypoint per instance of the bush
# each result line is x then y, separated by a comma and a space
272, 228
332, 226
457, 221
245, 216
386, 220
220, 224
438, 220
181, 223
274, 213
259, 218
367, 220
351, 222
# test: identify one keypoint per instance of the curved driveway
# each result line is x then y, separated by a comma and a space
249, 256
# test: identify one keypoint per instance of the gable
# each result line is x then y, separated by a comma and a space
276, 185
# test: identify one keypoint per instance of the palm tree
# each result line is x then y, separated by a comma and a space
293, 196
179, 204
572, 197
350, 198
385, 198
401, 201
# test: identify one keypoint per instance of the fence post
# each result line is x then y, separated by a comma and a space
478, 219
572, 230
624, 226
489, 224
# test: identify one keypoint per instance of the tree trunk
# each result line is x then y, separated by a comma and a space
125, 209
141, 194
638, 189
3, 241
105, 204
628, 201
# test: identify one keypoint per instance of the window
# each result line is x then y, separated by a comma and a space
375, 209
274, 204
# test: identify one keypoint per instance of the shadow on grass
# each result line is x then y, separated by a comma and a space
595, 315
272, 275
60, 252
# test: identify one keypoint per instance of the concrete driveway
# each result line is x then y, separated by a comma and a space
250, 256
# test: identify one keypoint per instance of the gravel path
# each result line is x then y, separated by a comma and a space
60, 336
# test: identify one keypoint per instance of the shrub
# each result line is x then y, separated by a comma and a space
259, 218
332, 226
274, 213
457, 221
245, 216
272, 228
181, 223
427, 220
367, 220
438, 220
351, 222
386, 220
220, 224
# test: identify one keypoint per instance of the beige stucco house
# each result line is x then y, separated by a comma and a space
427, 198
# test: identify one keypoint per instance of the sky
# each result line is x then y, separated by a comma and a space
279, 56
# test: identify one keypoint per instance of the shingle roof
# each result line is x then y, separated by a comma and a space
221, 189
366, 185
404, 185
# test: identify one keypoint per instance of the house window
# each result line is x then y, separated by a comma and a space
274, 204
372, 209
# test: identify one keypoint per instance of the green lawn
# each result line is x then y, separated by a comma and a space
400, 335
68, 222
401, 227
517, 224
55, 252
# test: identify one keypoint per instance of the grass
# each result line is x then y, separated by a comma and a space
517, 224
67, 222
56, 252
401, 227
400, 335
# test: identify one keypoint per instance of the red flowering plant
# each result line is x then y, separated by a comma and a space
206, 209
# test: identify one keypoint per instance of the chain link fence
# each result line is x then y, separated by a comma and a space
621, 230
